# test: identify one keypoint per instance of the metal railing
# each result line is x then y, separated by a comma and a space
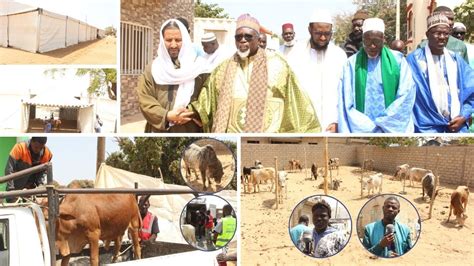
54, 193
136, 48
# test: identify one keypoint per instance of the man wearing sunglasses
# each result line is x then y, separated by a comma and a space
459, 32
444, 83
377, 92
254, 91
318, 64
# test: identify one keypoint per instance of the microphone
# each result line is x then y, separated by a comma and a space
389, 229
307, 237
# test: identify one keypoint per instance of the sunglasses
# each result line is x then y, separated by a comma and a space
248, 37
459, 33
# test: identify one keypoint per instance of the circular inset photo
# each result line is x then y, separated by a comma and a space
208, 165
388, 225
208, 222
320, 226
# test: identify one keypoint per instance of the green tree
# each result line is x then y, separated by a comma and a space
384, 9
102, 80
110, 31
144, 155
343, 26
465, 14
203, 10
385, 142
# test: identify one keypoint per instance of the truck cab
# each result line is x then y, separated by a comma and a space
23, 236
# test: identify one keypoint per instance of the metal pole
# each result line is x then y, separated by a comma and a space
326, 163
26, 172
276, 181
52, 213
397, 22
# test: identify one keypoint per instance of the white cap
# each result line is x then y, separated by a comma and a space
208, 37
459, 25
373, 24
321, 16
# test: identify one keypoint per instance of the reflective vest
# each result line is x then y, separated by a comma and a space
145, 231
229, 225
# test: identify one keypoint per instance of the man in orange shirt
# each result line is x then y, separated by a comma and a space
150, 229
25, 155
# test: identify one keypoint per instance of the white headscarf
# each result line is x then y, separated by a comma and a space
164, 72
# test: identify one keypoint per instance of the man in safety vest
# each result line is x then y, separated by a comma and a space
150, 229
25, 155
225, 229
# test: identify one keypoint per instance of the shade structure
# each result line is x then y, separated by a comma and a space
35, 29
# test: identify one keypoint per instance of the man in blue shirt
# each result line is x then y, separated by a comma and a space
297, 231
382, 241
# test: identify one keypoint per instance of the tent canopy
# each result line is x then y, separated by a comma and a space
56, 101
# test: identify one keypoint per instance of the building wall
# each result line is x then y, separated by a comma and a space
420, 10
150, 13
455, 164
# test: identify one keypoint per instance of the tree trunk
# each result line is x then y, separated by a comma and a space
100, 152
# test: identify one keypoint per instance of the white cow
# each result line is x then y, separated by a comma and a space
281, 184
402, 172
416, 174
261, 175
374, 182
189, 233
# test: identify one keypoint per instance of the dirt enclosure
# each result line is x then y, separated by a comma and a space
266, 241
101, 51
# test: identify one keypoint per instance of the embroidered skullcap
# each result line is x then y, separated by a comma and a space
248, 21
436, 19
373, 24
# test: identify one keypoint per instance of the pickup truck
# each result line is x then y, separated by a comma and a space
23, 236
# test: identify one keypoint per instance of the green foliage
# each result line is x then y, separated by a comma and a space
144, 155
102, 80
110, 31
466, 141
464, 13
343, 25
384, 9
385, 142
202, 10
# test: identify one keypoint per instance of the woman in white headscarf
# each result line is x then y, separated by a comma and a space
172, 81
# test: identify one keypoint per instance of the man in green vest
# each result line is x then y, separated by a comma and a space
225, 229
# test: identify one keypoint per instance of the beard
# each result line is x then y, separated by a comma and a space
357, 36
318, 46
243, 55
290, 43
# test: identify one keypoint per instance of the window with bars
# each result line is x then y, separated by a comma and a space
136, 48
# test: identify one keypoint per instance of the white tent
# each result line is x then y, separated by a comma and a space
168, 208
85, 117
34, 29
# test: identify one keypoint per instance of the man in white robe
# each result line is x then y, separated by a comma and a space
318, 65
213, 53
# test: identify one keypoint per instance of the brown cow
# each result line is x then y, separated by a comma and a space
459, 197
84, 219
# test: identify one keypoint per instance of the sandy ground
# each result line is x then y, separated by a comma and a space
266, 241
133, 124
228, 164
103, 52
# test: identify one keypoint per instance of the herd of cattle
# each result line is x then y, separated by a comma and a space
255, 175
